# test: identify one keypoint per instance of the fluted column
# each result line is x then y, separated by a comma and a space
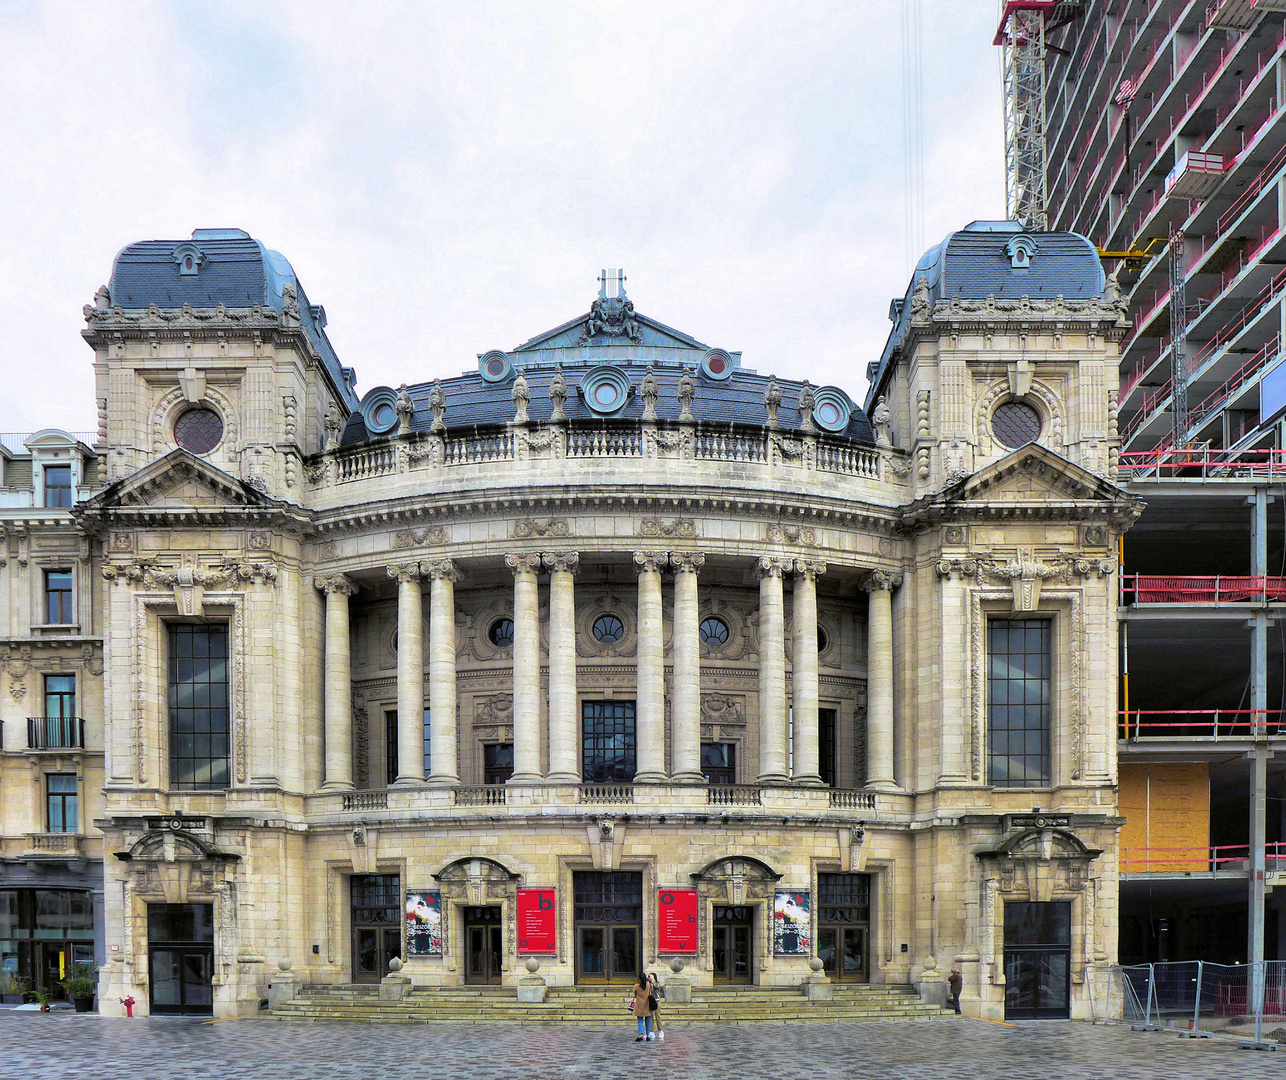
772, 671
443, 575
686, 692
564, 724
410, 674
804, 672
339, 684
879, 679
650, 698
526, 668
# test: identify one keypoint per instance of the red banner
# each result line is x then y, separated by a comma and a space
677, 921
537, 921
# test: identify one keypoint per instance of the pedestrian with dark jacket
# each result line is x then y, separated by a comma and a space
654, 984
642, 1010
954, 985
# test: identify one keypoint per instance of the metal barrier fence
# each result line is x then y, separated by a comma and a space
1195, 996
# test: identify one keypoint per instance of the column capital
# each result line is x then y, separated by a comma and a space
404, 571
440, 570
686, 562
523, 562
769, 566
565, 562
654, 561
882, 580
809, 568
336, 583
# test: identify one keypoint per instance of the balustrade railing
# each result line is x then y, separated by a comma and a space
365, 462
843, 799
366, 800
605, 794
733, 795
491, 795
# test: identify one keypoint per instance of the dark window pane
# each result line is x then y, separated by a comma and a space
607, 749
57, 485
197, 680
1019, 702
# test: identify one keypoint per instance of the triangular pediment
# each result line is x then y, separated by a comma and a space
1034, 473
180, 481
651, 333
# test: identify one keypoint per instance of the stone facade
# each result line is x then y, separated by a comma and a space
801, 596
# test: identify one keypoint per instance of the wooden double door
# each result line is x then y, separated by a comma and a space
483, 945
732, 939
377, 924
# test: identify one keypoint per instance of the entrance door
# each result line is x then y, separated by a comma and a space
55, 964
180, 940
1038, 957
483, 945
731, 938
842, 950
377, 924
609, 919
844, 926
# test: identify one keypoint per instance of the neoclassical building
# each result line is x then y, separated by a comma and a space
610, 650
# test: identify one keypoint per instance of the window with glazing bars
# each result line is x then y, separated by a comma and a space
844, 897
58, 485
607, 749
62, 802
198, 705
1019, 697
58, 606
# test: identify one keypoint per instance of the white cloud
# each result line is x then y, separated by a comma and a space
448, 178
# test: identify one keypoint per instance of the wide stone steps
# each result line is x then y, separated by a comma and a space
595, 1005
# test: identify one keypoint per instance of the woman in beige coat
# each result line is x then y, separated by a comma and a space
639, 1005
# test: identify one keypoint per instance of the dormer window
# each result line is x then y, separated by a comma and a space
189, 259
58, 485
1020, 249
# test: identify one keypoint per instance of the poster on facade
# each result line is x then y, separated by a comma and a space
790, 924
424, 924
537, 921
677, 921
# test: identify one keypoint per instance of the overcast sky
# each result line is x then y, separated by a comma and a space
448, 178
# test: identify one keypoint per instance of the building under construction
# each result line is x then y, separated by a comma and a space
1156, 129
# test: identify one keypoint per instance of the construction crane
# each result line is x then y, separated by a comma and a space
1135, 256
1024, 26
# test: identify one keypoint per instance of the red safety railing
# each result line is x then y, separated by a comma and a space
1244, 375
1198, 723
1161, 860
1253, 188
1201, 464
1166, 589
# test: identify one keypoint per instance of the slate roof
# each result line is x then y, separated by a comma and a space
972, 262
238, 272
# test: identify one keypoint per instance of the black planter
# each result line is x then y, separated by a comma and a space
84, 1004
12, 999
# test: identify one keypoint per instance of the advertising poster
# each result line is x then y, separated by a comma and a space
424, 924
537, 921
677, 921
790, 924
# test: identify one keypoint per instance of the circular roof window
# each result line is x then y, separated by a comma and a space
608, 629
198, 430
1015, 424
833, 409
379, 410
605, 390
495, 366
717, 365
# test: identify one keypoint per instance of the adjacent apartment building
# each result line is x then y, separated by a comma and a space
607, 652
1167, 148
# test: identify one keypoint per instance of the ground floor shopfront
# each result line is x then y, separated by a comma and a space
51, 920
202, 912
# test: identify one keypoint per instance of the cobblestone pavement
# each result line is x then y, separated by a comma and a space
63, 1044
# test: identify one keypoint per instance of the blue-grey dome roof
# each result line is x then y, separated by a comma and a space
227, 267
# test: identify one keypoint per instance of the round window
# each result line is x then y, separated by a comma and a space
605, 395
496, 366
385, 415
608, 629
828, 413
198, 430
823, 638
501, 633
1015, 424
714, 631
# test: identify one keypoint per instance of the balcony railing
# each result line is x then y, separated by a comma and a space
1166, 589
606, 794
58, 843
55, 733
1172, 860
491, 795
1134, 724
733, 795
366, 800
1202, 463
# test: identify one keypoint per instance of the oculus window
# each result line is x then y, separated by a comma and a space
501, 633
1019, 702
198, 430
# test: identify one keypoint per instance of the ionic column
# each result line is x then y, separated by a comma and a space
686, 692
339, 684
410, 674
772, 671
804, 671
564, 724
443, 575
879, 679
650, 721
526, 668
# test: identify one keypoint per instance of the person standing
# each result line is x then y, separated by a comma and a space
642, 1010
654, 984
954, 985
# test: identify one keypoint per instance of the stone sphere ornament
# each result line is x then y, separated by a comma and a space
532, 965
676, 965
395, 965
815, 963
283, 964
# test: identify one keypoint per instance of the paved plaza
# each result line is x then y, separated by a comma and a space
63, 1044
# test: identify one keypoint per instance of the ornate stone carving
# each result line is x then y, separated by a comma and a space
612, 316
806, 404
887, 580
333, 424
404, 571
407, 538
687, 392
772, 401
361, 746
686, 562
771, 566
405, 408
521, 395
655, 561
497, 710
682, 528
526, 527
649, 393
778, 533
722, 709
558, 395
523, 562
440, 570
437, 406
562, 561
336, 583
808, 568
881, 418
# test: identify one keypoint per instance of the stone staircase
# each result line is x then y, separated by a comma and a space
604, 1005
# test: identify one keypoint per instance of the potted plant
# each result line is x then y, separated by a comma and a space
12, 988
80, 986
44, 996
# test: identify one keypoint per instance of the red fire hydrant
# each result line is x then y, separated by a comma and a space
128, 1002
